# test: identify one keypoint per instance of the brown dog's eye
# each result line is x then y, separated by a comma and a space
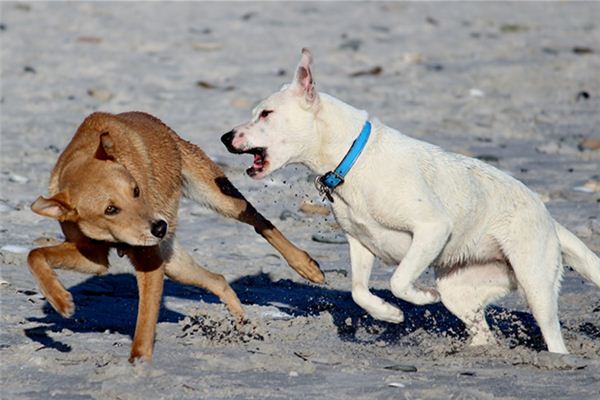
265, 113
136, 192
111, 210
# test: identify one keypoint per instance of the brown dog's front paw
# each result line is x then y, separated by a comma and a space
309, 269
138, 355
238, 313
62, 301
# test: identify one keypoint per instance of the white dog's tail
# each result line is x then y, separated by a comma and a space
577, 255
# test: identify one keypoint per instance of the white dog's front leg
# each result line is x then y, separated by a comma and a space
362, 263
428, 241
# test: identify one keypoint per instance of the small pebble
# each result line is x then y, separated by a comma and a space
396, 384
18, 178
11, 248
241, 103
589, 144
590, 186
488, 158
100, 94
293, 374
206, 46
89, 39
474, 92
583, 95
276, 315
351, 44
550, 50
432, 21
402, 368
310, 208
247, 16
376, 70
53, 148
582, 50
412, 58
513, 28
206, 85
582, 189
23, 7
29, 69
331, 239
287, 214
434, 67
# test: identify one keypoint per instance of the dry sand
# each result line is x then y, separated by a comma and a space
515, 84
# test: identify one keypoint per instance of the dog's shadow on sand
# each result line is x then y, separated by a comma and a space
109, 303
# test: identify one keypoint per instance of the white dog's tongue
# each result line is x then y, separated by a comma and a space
258, 161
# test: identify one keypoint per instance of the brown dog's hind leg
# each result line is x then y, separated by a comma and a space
42, 261
182, 268
206, 183
150, 272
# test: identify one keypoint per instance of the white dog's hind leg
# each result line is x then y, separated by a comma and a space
467, 290
538, 268
362, 263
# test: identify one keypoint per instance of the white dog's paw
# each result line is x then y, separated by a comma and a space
388, 313
419, 296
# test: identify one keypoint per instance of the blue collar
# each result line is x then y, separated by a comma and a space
327, 183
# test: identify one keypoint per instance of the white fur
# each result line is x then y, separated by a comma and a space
414, 205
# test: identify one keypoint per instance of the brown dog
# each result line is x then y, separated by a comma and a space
118, 185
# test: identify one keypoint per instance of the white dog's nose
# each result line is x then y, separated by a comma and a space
227, 140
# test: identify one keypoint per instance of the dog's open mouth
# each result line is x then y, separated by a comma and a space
260, 161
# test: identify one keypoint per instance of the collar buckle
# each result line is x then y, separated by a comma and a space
323, 189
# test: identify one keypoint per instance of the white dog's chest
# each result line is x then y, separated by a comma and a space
389, 245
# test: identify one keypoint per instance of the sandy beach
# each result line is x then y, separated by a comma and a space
514, 84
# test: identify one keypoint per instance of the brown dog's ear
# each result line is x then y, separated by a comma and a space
303, 79
56, 207
106, 148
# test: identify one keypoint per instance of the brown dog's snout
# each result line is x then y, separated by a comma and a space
159, 228
227, 140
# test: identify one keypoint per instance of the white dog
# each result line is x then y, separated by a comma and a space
414, 205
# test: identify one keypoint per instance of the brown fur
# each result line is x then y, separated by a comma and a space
140, 167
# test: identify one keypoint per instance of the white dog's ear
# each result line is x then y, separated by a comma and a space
303, 82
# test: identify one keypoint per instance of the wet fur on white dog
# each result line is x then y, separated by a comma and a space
415, 205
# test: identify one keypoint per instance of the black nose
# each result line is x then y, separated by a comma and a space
227, 140
159, 228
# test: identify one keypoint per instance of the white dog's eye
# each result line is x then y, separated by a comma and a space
265, 113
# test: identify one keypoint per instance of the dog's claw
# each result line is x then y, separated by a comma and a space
62, 302
309, 269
